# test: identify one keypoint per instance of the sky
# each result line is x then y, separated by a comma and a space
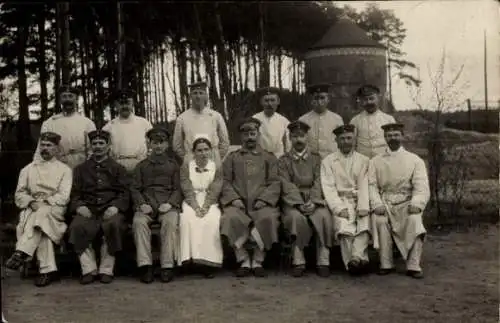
456, 28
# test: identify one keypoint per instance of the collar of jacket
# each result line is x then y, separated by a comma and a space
302, 155
256, 151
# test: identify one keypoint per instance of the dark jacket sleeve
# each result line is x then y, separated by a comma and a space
76, 198
291, 194
229, 193
187, 187
122, 199
316, 190
175, 198
137, 186
214, 189
272, 192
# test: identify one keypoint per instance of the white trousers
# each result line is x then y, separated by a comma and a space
354, 247
386, 245
35, 241
322, 255
259, 254
89, 264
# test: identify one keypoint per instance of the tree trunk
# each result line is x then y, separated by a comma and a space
140, 75
66, 67
264, 78
238, 65
57, 81
247, 66
120, 47
163, 84
83, 76
223, 60
280, 75
255, 64
98, 79
294, 76
209, 67
42, 65
23, 128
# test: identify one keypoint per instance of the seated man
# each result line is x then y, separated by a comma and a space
249, 196
345, 185
156, 196
399, 192
303, 201
99, 199
42, 194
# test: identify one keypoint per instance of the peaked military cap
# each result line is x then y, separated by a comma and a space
99, 134
249, 124
393, 127
367, 89
158, 132
123, 95
298, 126
343, 129
202, 85
267, 90
50, 136
318, 88
67, 88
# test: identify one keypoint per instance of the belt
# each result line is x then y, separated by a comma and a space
348, 194
396, 198
127, 157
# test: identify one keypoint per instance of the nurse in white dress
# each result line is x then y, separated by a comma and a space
201, 184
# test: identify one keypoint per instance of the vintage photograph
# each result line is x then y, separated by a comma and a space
242, 162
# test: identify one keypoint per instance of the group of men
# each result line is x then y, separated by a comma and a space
348, 183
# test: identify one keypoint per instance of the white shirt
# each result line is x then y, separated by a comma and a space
370, 139
274, 133
128, 137
321, 139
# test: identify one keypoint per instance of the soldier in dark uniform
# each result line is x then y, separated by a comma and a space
156, 196
99, 199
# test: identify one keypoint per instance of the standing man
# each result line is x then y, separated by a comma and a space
42, 194
322, 121
99, 199
72, 127
399, 193
249, 197
156, 196
369, 135
128, 133
303, 201
200, 119
344, 178
273, 129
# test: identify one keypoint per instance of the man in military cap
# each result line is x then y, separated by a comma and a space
344, 179
156, 196
128, 132
199, 118
399, 193
42, 194
322, 121
99, 199
303, 201
369, 136
273, 129
73, 128
249, 197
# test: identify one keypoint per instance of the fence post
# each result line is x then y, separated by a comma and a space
469, 109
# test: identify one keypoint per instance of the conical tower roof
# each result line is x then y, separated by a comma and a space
345, 33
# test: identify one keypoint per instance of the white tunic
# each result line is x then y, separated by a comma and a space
200, 237
370, 139
48, 181
274, 133
396, 180
73, 129
344, 180
321, 139
191, 123
128, 140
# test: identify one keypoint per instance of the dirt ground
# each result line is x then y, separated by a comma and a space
461, 285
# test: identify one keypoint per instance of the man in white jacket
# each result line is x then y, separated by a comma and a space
344, 179
399, 193
42, 194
